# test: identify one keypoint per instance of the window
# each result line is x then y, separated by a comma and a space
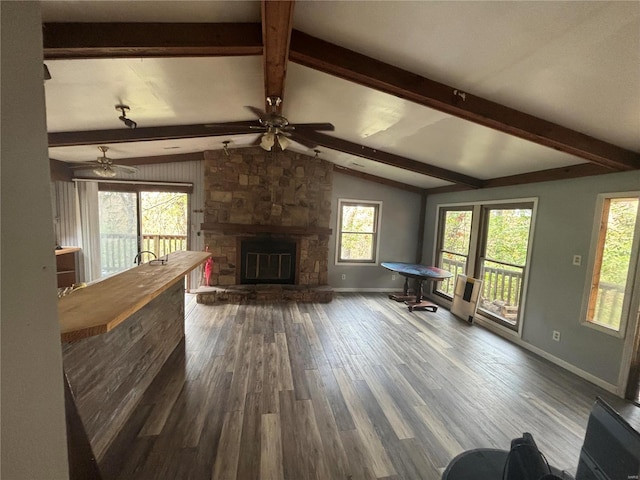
491, 242
612, 262
358, 231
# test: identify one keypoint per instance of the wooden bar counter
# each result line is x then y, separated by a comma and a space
116, 336
102, 306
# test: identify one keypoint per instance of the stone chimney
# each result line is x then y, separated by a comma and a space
251, 193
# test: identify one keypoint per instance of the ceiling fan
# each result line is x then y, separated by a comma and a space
277, 129
104, 167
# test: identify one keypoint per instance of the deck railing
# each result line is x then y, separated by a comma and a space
502, 289
609, 304
117, 250
457, 268
501, 285
163, 244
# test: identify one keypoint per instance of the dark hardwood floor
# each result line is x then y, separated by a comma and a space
355, 389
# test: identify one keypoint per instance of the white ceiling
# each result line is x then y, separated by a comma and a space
573, 63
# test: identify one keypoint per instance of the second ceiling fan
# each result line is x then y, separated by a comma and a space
103, 166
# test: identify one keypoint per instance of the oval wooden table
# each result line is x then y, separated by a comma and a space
420, 273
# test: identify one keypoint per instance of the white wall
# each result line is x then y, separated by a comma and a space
398, 234
32, 418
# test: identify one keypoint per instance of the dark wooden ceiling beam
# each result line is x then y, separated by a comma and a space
549, 175
351, 148
560, 173
170, 158
349, 65
113, 40
145, 134
277, 23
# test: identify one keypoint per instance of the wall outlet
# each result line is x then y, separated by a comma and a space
577, 260
393, 276
344, 276
556, 335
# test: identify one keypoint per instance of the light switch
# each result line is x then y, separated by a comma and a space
577, 260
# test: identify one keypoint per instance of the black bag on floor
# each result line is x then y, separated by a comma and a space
526, 462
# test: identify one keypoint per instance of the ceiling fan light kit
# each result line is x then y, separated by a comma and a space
284, 142
104, 172
268, 141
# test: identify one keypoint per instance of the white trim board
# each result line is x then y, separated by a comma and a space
511, 336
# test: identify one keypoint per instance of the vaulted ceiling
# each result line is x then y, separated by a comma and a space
431, 96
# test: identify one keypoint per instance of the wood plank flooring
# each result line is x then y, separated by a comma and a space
355, 389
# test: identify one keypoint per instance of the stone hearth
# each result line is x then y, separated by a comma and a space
243, 294
280, 195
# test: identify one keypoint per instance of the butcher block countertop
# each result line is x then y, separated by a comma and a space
102, 306
65, 250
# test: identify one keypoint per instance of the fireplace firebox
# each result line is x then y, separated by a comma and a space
267, 260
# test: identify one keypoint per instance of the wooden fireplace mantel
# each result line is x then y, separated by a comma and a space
240, 228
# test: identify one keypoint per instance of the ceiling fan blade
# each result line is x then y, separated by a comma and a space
125, 168
296, 137
325, 127
79, 166
261, 114
234, 127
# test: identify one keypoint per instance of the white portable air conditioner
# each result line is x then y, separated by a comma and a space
465, 297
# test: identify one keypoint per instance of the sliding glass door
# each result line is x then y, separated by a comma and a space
119, 231
503, 259
163, 222
490, 242
135, 221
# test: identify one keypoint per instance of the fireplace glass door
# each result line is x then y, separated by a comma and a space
268, 261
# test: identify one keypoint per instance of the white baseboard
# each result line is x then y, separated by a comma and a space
513, 337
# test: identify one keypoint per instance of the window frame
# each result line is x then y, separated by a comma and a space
484, 216
441, 223
595, 254
377, 204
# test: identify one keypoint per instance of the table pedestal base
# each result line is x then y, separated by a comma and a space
402, 297
422, 305
419, 273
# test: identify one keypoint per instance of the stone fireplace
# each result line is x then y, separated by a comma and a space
257, 200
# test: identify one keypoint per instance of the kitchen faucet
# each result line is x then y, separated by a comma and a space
138, 258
